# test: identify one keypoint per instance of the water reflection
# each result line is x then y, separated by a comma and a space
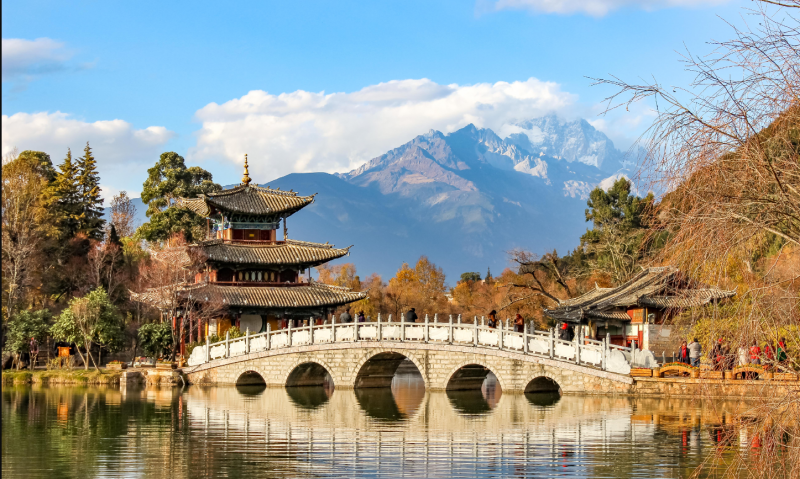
379, 403
251, 389
308, 432
469, 402
543, 399
309, 397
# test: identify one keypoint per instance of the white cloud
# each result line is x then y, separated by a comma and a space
303, 131
122, 152
27, 58
595, 8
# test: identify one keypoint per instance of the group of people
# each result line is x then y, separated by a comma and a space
722, 358
345, 317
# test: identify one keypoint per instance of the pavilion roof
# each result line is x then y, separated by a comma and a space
662, 288
290, 252
247, 199
312, 295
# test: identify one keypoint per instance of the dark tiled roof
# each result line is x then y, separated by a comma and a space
306, 296
289, 253
652, 287
198, 205
248, 199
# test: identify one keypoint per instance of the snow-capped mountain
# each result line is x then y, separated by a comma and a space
568, 140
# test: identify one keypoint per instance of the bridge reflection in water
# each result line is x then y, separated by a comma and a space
410, 432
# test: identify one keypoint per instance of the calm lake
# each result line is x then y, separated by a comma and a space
321, 432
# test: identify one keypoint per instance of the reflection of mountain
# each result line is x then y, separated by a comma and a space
464, 198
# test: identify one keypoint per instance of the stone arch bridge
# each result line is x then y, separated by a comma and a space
449, 356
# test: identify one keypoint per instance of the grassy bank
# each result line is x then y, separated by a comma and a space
58, 376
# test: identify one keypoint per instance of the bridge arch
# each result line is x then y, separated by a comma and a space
251, 377
468, 374
306, 371
542, 384
376, 370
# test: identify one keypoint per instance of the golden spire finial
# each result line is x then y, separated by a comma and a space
246, 177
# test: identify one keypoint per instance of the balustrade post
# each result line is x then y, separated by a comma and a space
451, 329
500, 331
552, 346
311, 330
525, 337
426, 328
289, 333
333, 328
247, 340
268, 336
355, 329
604, 355
402, 326
578, 346
475, 323
380, 335
227, 344
208, 349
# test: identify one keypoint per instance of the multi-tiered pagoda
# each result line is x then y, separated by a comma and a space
255, 277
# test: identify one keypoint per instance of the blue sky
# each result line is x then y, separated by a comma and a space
321, 86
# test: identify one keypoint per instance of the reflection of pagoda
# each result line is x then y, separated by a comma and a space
256, 278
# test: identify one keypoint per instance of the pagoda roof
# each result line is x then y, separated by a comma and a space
289, 252
661, 288
312, 295
247, 199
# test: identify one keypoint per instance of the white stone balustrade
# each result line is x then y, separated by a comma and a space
582, 351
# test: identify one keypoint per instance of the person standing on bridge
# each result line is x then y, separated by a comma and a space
695, 350
345, 316
411, 316
519, 323
492, 323
683, 353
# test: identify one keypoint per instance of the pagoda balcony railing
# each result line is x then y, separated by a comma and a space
258, 283
244, 241
581, 351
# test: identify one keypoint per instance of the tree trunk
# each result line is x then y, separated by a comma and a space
85, 363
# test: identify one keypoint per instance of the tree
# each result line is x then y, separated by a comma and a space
470, 276
23, 231
546, 276
167, 181
488, 277
725, 150
156, 339
23, 326
91, 204
619, 218
123, 214
87, 321
63, 199
40, 162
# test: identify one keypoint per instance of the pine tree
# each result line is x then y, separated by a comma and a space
63, 199
91, 220
488, 278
